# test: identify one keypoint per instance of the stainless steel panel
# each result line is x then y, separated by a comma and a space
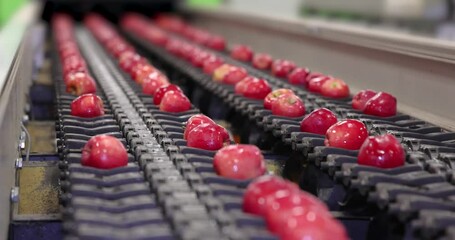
12, 102
419, 71
387, 9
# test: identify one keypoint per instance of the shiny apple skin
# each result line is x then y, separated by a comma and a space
255, 196
273, 96
315, 84
284, 202
207, 136
240, 161
175, 101
80, 84
384, 151
234, 75
211, 63
87, 106
242, 53
318, 121
195, 121
104, 152
335, 88
159, 93
281, 68
298, 76
361, 98
216, 42
254, 88
262, 61
152, 82
348, 134
382, 105
309, 223
288, 105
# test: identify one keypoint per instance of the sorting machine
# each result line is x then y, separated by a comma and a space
171, 191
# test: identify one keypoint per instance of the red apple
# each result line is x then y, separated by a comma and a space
159, 93
69, 45
208, 136
80, 83
68, 76
240, 161
229, 74
175, 101
195, 121
212, 63
104, 152
348, 134
187, 50
129, 59
170, 22
335, 88
74, 64
281, 68
216, 42
121, 47
313, 75
262, 61
242, 86
288, 105
153, 81
140, 71
318, 121
199, 57
384, 151
235, 75
315, 84
254, 88
273, 96
68, 49
284, 202
361, 98
298, 76
87, 106
255, 196
381, 105
66, 53
173, 46
201, 37
309, 223
242, 53
155, 35
220, 72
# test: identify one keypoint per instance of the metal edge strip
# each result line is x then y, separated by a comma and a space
396, 42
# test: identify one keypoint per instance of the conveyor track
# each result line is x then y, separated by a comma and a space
424, 185
167, 191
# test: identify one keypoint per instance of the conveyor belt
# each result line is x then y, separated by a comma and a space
419, 190
167, 190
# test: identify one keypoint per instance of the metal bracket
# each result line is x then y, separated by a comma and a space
18, 163
22, 139
15, 194
26, 118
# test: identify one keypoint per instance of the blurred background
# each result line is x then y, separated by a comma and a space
428, 17
433, 18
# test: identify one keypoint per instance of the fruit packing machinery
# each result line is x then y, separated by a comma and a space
167, 191
415, 195
170, 191
155, 139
